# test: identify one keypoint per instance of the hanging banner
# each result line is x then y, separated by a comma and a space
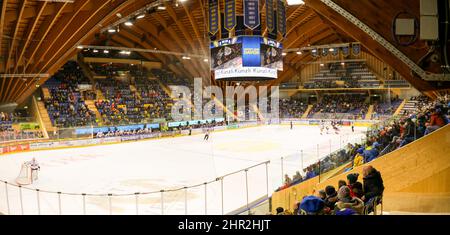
251, 14
356, 48
214, 16
281, 17
230, 14
270, 21
345, 51
324, 52
314, 53
335, 52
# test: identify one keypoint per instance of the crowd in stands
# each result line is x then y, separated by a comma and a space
351, 197
385, 109
124, 106
8, 133
66, 106
353, 104
389, 136
343, 75
292, 108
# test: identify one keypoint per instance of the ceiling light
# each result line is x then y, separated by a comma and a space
140, 16
205, 60
79, 47
314, 51
95, 51
342, 63
299, 52
284, 53
106, 51
128, 23
331, 49
111, 30
186, 58
161, 7
295, 2
322, 65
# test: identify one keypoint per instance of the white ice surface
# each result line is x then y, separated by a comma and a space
167, 163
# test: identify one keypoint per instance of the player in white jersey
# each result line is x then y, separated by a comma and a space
34, 165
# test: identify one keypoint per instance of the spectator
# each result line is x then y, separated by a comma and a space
310, 173
359, 158
312, 205
287, 180
356, 188
346, 201
322, 194
331, 198
436, 121
342, 183
373, 184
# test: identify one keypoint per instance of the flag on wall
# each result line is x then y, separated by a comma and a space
356, 48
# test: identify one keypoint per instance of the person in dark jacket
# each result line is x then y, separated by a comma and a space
331, 198
373, 184
409, 133
356, 188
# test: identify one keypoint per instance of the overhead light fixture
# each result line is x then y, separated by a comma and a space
342, 63
314, 51
79, 47
321, 65
205, 60
186, 58
95, 51
182, 0
106, 51
128, 23
111, 30
295, 2
284, 53
299, 52
161, 8
140, 16
331, 49
125, 52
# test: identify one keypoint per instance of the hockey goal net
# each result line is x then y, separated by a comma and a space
26, 175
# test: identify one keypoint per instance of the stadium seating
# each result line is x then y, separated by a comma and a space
348, 75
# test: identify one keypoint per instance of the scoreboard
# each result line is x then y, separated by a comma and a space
246, 58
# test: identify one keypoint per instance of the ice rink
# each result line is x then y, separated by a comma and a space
165, 164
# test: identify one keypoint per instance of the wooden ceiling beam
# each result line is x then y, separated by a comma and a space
100, 16
373, 46
29, 34
24, 45
2, 23
67, 21
42, 33
163, 43
4, 90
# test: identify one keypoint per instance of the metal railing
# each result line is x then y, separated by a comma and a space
222, 195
